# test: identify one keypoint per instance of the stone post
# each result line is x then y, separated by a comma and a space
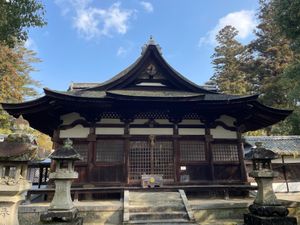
266, 209
62, 210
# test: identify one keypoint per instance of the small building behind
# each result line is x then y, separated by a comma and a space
287, 165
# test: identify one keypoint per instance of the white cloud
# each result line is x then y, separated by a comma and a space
244, 21
31, 44
91, 22
147, 6
121, 51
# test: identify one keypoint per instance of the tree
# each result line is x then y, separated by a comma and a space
228, 60
15, 68
15, 81
272, 55
287, 17
16, 16
16, 84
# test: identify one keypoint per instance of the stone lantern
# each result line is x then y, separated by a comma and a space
15, 152
266, 209
62, 208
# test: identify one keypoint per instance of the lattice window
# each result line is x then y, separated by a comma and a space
192, 150
163, 159
110, 151
140, 159
225, 152
82, 149
144, 159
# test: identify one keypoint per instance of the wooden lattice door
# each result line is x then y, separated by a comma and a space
151, 156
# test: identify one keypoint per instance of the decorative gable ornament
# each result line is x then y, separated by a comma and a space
151, 41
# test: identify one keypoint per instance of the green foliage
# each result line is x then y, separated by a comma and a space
287, 17
228, 60
272, 55
16, 16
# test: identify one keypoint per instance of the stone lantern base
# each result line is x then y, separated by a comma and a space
58, 217
77, 221
250, 219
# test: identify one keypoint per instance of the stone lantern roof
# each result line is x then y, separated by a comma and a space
260, 153
66, 152
18, 147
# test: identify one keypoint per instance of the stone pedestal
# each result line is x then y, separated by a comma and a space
62, 197
12, 193
259, 220
61, 208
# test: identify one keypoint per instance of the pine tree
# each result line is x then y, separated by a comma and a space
228, 60
272, 54
287, 17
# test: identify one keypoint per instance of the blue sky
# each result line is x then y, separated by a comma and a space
92, 40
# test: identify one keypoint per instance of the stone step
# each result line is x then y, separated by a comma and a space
146, 216
157, 208
172, 194
223, 222
155, 203
161, 222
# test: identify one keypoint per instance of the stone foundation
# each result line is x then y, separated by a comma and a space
206, 211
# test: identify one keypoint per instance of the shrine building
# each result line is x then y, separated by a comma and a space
150, 119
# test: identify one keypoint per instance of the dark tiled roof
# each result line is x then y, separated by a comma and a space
282, 145
80, 86
162, 94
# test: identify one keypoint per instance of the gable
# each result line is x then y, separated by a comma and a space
150, 71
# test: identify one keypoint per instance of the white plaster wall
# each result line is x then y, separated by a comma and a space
110, 130
139, 121
281, 187
191, 122
110, 121
287, 159
70, 118
163, 121
151, 131
76, 132
220, 132
229, 121
191, 131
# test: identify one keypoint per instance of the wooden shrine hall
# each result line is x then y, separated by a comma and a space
150, 120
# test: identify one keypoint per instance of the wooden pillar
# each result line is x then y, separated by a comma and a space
241, 156
208, 151
284, 174
126, 120
175, 120
40, 176
56, 141
91, 151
